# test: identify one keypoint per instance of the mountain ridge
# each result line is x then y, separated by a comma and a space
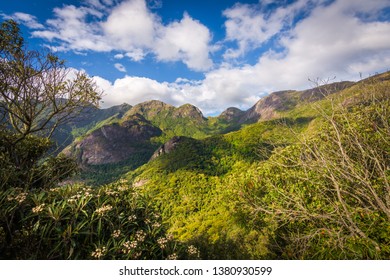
163, 122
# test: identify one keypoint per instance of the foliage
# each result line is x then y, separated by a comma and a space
327, 197
36, 96
198, 187
78, 222
28, 167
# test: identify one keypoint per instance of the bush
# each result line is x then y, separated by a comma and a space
78, 222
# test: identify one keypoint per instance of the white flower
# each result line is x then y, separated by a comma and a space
39, 208
100, 211
116, 233
99, 252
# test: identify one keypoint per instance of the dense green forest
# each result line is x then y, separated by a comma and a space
309, 181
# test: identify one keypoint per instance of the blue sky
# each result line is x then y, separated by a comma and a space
213, 54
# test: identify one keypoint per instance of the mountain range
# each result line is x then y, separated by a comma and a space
124, 137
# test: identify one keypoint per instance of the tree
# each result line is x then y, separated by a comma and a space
37, 95
37, 91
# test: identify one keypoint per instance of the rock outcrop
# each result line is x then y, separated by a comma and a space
231, 114
167, 147
115, 142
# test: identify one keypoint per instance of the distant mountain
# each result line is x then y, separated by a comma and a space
272, 105
88, 118
129, 136
231, 114
116, 142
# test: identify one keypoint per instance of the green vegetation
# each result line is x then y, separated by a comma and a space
96, 175
78, 222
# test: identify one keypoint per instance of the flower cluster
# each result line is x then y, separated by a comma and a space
38, 209
19, 197
132, 218
99, 252
85, 192
128, 246
140, 235
112, 193
156, 225
102, 210
162, 242
123, 188
192, 250
116, 233
172, 257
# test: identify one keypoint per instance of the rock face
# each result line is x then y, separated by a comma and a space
87, 118
188, 111
320, 92
150, 109
157, 109
231, 114
115, 142
267, 107
167, 147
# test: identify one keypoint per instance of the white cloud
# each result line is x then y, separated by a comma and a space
129, 27
186, 40
29, 20
119, 56
71, 29
250, 26
130, 24
120, 67
133, 90
136, 54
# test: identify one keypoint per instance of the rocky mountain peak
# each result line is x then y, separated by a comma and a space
231, 114
188, 111
150, 109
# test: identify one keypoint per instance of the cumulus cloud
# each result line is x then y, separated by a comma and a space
252, 25
69, 30
134, 90
130, 24
186, 40
129, 27
29, 20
